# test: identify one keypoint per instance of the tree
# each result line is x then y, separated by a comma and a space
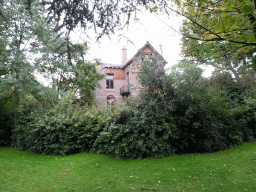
31, 45
156, 87
222, 34
79, 76
218, 31
220, 21
25, 35
186, 77
6, 117
104, 16
151, 76
84, 81
55, 63
3, 51
22, 32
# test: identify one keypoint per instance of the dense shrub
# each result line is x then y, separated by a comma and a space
201, 130
65, 129
57, 134
207, 117
6, 119
244, 114
140, 133
61, 135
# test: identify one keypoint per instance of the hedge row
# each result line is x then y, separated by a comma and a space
135, 132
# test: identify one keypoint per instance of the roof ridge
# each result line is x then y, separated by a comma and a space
139, 51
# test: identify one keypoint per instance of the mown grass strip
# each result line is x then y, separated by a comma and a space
229, 170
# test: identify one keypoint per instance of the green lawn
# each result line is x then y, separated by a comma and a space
229, 170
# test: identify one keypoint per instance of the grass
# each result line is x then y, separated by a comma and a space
229, 170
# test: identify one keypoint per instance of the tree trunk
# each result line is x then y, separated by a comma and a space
16, 104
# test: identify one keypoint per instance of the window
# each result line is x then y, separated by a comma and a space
110, 99
110, 81
146, 57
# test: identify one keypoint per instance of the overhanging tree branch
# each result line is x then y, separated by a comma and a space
200, 39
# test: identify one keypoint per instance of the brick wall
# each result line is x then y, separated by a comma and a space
119, 81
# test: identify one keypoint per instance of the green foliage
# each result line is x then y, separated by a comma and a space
175, 114
244, 114
204, 127
6, 118
153, 80
140, 133
65, 129
205, 114
222, 26
79, 76
84, 81
24, 33
47, 97
182, 113
61, 135
19, 30
220, 33
3, 51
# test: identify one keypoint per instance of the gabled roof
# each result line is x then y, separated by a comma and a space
104, 65
141, 50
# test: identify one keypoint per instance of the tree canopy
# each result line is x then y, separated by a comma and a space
214, 30
104, 16
220, 20
22, 37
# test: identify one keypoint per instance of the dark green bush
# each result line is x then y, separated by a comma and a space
6, 120
206, 116
144, 132
26, 114
244, 114
58, 134
205, 123
65, 129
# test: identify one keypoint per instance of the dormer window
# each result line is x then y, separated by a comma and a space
110, 81
146, 57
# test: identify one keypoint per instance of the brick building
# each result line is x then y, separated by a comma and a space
121, 80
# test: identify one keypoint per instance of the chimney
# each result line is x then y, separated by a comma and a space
124, 55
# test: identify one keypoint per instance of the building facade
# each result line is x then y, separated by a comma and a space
121, 80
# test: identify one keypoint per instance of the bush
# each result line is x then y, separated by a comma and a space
61, 135
245, 116
57, 134
205, 123
6, 120
59, 131
144, 132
